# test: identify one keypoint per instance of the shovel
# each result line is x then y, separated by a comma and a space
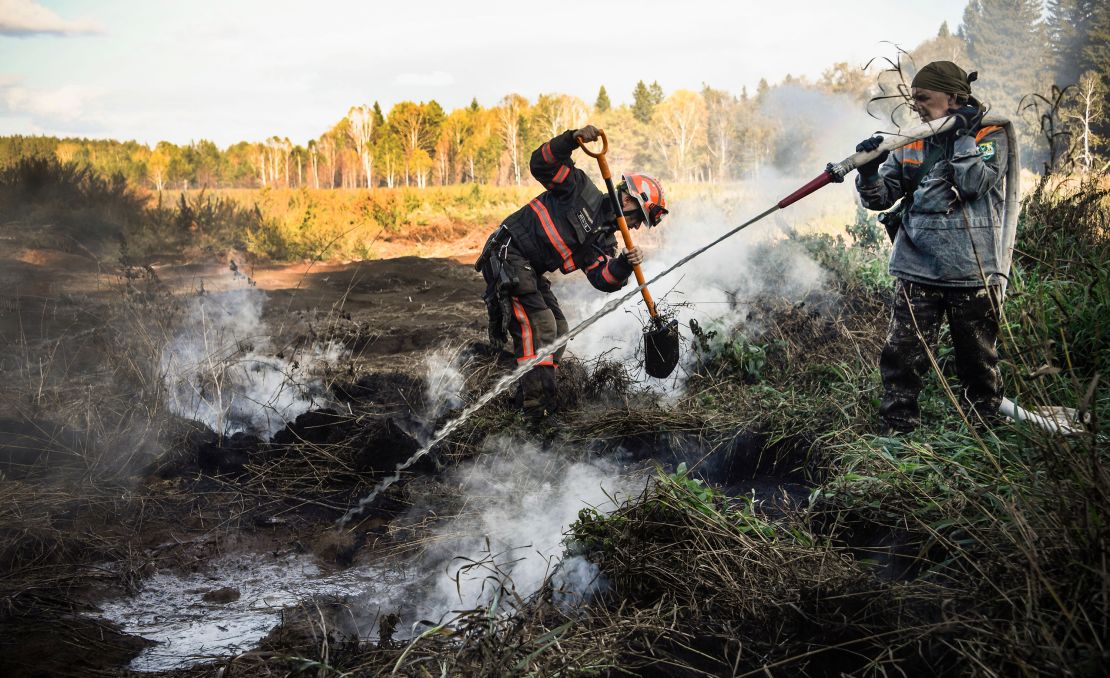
660, 337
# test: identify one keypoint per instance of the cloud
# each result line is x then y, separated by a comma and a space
64, 103
433, 79
22, 18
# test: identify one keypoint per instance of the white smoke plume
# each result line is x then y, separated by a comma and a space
222, 369
716, 288
444, 383
519, 502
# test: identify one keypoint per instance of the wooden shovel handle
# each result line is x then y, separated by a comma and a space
603, 165
587, 151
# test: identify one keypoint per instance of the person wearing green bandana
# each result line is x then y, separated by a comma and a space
947, 254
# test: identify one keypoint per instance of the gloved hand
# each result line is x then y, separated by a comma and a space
871, 168
496, 333
587, 134
496, 328
634, 256
968, 118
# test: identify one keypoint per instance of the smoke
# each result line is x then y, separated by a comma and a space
575, 581
222, 370
717, 288
518, 500
444, 383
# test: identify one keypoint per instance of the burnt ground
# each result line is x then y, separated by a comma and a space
71, 329
104, 488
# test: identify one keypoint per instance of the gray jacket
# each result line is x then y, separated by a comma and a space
951, 236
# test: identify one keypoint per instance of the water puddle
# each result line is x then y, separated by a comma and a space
172, 609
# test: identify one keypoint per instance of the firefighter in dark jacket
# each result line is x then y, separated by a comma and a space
947, 247
569, 227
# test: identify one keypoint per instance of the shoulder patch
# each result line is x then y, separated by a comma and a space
986, 149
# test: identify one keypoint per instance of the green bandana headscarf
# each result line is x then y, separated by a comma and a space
944, 76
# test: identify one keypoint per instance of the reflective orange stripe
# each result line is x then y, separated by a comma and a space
553, 235
985, 131
562, 174
525, 330
912, 153
596, 263
545, 151
547, 362
608, 276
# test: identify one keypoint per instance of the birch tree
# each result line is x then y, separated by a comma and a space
720, 122
417, 128
555, 113
160, 164
328, 150
509, 114
313, 153
679, 122
361, 129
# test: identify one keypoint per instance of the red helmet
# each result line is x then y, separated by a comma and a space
648, 194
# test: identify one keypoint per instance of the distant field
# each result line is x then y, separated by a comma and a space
448, 221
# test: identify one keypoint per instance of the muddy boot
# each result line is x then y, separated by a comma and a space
973, 319
893, 428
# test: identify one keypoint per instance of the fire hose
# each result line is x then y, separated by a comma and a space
834, 173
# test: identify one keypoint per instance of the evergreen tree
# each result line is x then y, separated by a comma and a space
1005, 40
1006, 44
379, 123
656, 93
642, 103
1096, 58
944, 32
1096, 52
1069, 25
602, 104
474, 107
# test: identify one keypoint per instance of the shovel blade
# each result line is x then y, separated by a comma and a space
661, 349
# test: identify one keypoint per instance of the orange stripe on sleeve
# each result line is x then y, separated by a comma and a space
608, 276
985, 131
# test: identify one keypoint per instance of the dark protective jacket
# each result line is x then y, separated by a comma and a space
954, 225
570, 225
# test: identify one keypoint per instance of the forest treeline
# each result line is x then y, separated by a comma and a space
1048, 65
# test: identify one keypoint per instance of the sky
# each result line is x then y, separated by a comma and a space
234, 70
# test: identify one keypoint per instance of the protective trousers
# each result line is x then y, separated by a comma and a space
973, 314
534, 320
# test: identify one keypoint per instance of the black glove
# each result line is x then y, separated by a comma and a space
968, 118
497, 336
496, 328
587, 134
871, 168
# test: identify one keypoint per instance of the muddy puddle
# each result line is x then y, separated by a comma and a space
232, 603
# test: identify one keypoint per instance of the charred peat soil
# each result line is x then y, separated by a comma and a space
751, 522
